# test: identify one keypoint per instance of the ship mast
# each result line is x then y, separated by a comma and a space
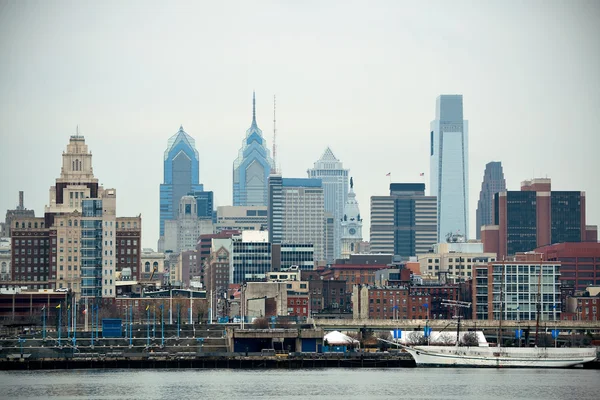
456, 304
501, 305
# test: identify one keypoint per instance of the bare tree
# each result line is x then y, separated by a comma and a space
444, 339
416, 338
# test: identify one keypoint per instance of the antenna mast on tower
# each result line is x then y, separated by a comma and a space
275, 169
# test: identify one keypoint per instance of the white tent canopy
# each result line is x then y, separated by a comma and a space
337, 338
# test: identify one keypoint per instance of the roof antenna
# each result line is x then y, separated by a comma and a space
274, 170
253, 107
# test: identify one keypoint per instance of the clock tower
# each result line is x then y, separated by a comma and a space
351, 225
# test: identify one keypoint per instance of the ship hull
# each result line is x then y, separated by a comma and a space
493, 357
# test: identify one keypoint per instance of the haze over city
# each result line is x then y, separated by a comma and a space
359, 77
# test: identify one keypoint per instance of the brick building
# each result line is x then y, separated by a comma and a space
580, 263
369, 302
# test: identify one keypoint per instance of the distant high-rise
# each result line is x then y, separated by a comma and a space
252, 167
449, 166
181, 175
403, 223
493, 182
335, 186
297, 213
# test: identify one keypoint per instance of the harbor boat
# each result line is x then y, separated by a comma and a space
531, 357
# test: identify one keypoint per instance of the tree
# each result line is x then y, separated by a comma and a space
469, 339
444, 339
416, 338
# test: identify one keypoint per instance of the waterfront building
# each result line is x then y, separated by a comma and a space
405, 222
510, 289
242, 218
327, 296
296, 212
536, 216
374, 302
252, 167
493, 182
580, 263
351, 225
181, 175
334, 180
449, 166
182, 234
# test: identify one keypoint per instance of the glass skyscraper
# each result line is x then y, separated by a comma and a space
181, 175
493, 182
449, 166
335, 187
252, 167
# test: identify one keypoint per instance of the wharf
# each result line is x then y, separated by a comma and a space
231, 361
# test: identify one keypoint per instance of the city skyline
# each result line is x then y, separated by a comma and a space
347, 103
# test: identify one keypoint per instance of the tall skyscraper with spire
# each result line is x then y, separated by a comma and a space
252, 167
493, 182
335, 186
181, 175
449, 166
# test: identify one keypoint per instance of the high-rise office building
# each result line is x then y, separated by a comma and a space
335, 187
449, 176
534, 217
403, 223
297, 212
493, 182
181, 175
252, 167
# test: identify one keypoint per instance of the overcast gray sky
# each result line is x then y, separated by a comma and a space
361, 77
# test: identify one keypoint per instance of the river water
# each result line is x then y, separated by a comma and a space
334, 383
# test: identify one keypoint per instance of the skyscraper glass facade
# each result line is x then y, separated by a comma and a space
91, 249
493, 182
252, 167
181, 175
449, 166
335, 187
565, 209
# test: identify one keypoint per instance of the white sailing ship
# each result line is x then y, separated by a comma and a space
532, 357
